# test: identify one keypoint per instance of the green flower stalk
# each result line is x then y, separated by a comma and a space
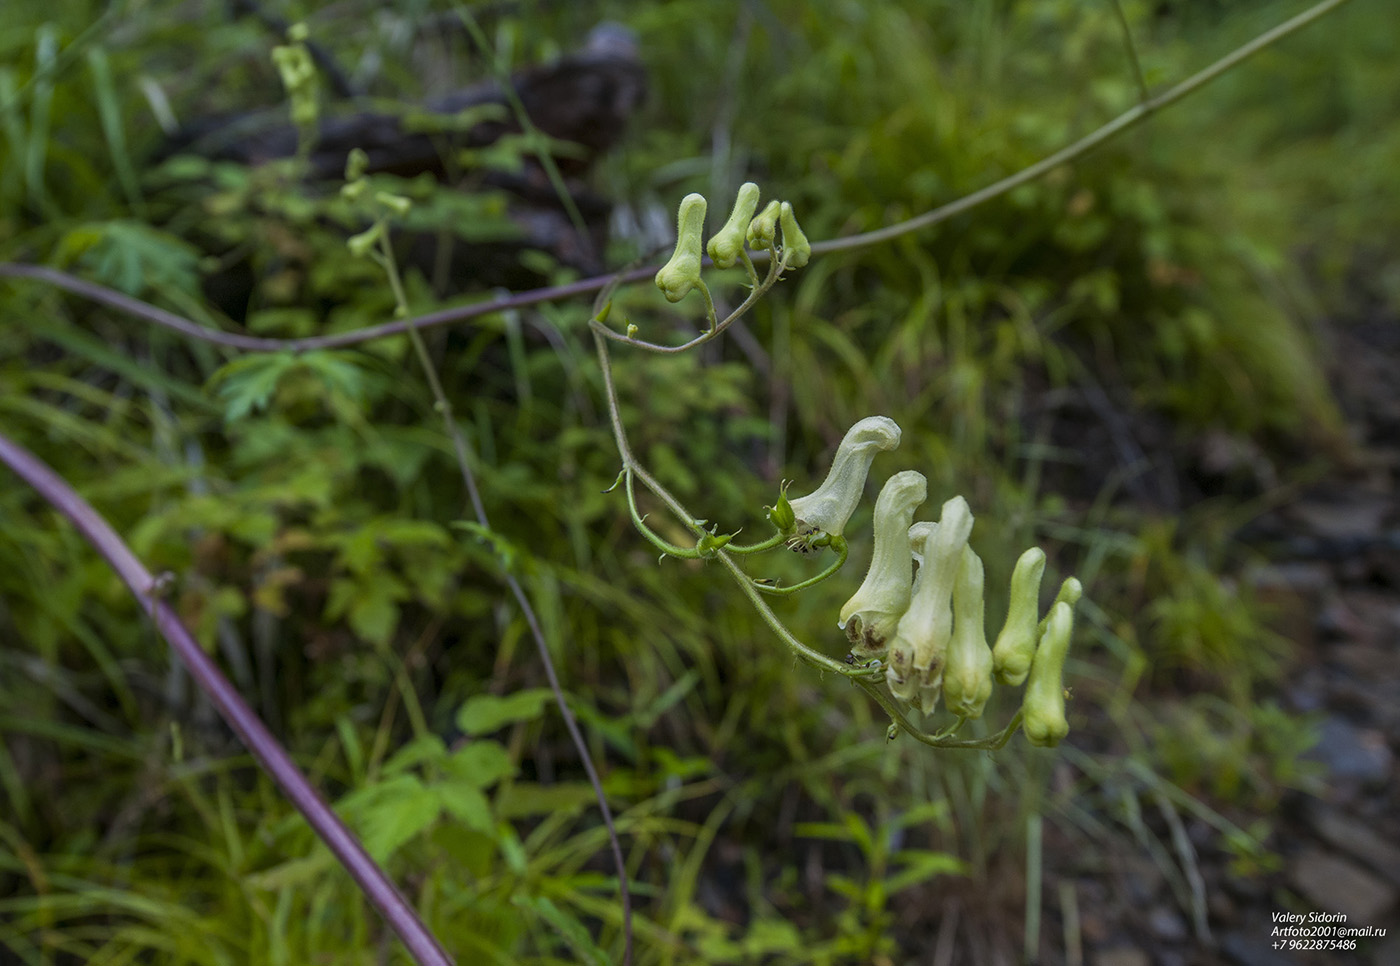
919, 648
967, 680
1011, 657
1044, 703
827, 509
870, 617
796, 248
682, 273
728, 243
763, 230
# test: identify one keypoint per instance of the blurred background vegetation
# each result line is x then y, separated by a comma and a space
1063, 356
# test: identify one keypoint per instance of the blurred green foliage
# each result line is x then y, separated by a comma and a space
306, 504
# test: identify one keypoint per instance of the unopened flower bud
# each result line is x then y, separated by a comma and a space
763, 230
796, 248
1016, 643
1044, 702
827, 509
397, 204
361, 244
780, 514
682, 273
870, 617
356, 163
728, 243
967, 680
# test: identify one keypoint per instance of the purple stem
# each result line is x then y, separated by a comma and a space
253, 343
371, 878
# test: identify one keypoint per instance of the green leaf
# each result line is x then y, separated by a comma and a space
487, 712
425, 748
920, 866
133, 257
483, 763
463, 800
573, 932
526, 798
375, 612
247, 384
391, 813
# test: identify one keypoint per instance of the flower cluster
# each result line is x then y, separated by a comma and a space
774, 229
921, 603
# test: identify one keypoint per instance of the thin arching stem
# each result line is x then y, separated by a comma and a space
745, 582
775, 271
459, 446
843, 551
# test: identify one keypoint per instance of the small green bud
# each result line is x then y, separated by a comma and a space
728, 243
298, 32
795, 245
361, 244
827, 509
711, 542
354, 190
780, 514
870, 617
763, 230
967, 680
1016, 643
632, 330
1044, 702
356, 164
397, 204
682, 273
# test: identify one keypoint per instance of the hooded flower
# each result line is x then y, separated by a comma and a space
967, 680
1016, 643
919, 648
1044, 702
828, 508
869, 617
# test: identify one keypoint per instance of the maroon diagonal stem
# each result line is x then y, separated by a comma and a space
370, 877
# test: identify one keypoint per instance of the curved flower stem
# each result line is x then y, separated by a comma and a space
749, 269
745, 582
772, 543
638, 521
842, 552
709, 306
775, 270
942, 739
230, 704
